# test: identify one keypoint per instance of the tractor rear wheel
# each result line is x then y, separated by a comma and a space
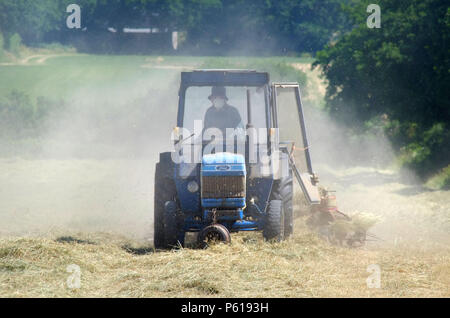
284, 191
275, 221
164, 191
213, 233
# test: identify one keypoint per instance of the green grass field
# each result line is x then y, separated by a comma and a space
60, 76
63, 76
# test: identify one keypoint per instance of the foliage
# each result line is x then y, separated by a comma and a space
56, 47
242, 25
429, 151
20, 117
212, 26
16, 115
441, 180
15, 42
279, 70
399, 73
2, 43
30, 19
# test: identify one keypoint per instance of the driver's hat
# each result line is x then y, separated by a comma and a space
218, 91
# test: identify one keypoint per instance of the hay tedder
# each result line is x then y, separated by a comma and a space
215, 185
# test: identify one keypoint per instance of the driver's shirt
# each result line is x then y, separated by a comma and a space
223, 118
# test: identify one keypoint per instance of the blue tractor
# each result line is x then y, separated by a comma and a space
214, 185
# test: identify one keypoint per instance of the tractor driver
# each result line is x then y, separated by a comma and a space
221, 115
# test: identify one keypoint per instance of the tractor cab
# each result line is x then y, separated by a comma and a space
239, 142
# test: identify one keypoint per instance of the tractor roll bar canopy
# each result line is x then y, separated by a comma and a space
224, 78
219, 77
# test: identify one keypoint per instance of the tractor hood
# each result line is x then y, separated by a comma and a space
223, 179
223, 164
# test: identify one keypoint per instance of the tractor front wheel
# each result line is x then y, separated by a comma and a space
213, 233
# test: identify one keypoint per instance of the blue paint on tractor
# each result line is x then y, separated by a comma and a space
259, 189
223, 170
189, 202
247, 225
223, 158
232, 212
234, 203
223, 165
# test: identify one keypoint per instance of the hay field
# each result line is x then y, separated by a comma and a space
66, 207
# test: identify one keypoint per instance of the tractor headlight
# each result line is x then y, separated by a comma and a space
192, 186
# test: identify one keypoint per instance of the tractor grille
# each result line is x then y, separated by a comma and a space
223, 187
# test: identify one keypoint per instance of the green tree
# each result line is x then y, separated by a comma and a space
30, 19
15, 41
220, 25
2, 44
399, 71
308, 25
281, 25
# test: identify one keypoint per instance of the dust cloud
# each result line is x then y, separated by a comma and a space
93, 167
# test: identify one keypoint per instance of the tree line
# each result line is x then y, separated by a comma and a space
396, 78
216, 26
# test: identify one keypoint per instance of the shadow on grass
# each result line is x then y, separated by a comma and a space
148, 249
139, 250
71, 239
